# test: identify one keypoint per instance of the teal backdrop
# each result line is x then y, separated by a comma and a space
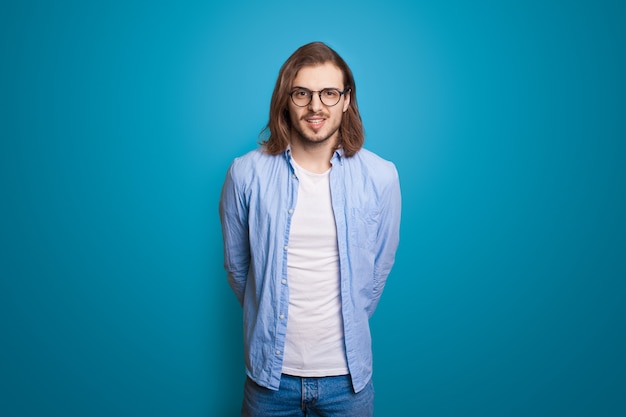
506, 120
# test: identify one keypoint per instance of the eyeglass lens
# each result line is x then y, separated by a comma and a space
302, 97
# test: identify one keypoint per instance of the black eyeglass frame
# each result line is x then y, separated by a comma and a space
319, 94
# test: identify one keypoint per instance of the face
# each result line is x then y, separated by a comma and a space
318, 123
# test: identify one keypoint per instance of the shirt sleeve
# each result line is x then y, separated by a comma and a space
387, 237
233, 211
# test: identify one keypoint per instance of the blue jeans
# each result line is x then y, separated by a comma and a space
330, 396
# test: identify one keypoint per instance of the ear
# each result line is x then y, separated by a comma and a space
346, 100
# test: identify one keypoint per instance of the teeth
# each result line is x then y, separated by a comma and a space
314, 121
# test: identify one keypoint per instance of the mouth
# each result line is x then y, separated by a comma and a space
315, 122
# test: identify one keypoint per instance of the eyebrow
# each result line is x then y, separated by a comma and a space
325, 88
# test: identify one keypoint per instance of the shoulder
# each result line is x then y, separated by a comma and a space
252, 161
369, 157
255, 166
252, 158
373, 165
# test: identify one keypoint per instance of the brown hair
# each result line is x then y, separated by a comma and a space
351, 134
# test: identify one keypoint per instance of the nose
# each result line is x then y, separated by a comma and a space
316, 102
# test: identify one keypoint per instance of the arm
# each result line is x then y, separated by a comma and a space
234, 218
387, 237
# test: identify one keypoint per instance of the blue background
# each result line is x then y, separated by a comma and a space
506, 120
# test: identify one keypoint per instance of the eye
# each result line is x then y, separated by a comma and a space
300, 93
330, 93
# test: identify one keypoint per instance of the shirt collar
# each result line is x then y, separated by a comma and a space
339, 152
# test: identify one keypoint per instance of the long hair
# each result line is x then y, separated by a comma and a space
278, 129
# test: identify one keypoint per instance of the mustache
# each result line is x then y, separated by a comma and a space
310, 115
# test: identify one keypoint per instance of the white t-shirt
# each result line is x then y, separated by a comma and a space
314, 344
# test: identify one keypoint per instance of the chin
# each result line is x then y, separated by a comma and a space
316, 139
313, 138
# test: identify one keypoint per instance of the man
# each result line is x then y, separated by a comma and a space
310, 222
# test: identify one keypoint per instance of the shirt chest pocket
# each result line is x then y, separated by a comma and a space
364, 226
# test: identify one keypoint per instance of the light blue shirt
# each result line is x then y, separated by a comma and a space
257, 203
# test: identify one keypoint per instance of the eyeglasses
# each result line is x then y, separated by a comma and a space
301, 97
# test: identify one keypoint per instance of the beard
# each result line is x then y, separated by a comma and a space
308, 136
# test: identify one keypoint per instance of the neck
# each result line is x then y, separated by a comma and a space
314, 157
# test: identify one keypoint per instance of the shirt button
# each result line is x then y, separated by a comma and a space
285, 248
284, 281
277, 352
290, 211
293, 175
282, 316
